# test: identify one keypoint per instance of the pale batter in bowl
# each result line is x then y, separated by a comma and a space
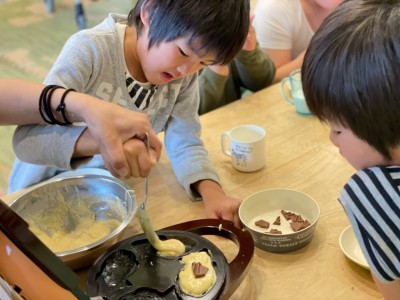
66, 225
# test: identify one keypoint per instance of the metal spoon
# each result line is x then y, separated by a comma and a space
141, 212
167, 246
146, 182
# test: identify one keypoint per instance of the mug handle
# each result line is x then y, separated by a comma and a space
283, 92
226, 150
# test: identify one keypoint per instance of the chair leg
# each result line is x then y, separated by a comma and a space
49, 4
80, 16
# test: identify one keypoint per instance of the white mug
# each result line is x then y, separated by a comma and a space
247, 147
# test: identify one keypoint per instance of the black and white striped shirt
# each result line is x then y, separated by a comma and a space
371, 199
139, 94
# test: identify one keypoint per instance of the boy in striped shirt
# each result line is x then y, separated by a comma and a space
351, 80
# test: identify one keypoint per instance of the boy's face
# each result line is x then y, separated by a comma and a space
167, 61
171, 60
356, 151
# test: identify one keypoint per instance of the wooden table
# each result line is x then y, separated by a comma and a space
299, 156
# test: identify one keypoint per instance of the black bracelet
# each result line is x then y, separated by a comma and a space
61, 107
41, 97
45, 104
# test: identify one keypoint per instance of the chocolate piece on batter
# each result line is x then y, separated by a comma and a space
262, 223
275, 231
199, 270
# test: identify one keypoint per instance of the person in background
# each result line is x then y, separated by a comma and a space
109, 126
145, 66
350, 78
285, 27
251, 70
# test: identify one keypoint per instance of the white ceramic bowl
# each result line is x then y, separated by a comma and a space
99, 197
350, 247
267, 205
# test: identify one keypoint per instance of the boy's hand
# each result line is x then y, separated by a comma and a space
216, 204
127, 156
224, 207
140, 161
110, 126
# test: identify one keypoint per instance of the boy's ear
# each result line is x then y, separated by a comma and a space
144, 13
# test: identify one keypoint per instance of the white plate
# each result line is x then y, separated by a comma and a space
351, 248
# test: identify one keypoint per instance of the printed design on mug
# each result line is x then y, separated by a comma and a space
241, 158
241, 154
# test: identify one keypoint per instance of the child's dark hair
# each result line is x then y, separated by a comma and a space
351, 71
220, 25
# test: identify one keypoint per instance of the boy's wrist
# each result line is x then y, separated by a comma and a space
208, 189
85, 146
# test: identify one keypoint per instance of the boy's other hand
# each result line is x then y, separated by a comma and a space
217, 205
225, 208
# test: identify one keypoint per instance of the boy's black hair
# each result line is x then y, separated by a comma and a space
221, 26
351, 71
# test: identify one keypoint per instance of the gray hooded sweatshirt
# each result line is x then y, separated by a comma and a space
92, 62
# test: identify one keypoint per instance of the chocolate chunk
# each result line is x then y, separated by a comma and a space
199, 270
287, 214
277, 221
296, 218
275, 231
262, 223
296, 226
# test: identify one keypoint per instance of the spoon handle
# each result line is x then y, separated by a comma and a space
146, 181
147, 227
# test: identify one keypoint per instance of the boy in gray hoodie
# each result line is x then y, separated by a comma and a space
147, 61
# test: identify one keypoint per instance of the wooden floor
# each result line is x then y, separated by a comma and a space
31, 39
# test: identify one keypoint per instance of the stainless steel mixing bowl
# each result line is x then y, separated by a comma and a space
105, 197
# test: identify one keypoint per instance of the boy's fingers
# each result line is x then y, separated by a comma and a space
134, 160
155, 144
153, 157
116, 162
146, 162
134, 149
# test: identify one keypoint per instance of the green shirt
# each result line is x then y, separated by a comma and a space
250, 70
